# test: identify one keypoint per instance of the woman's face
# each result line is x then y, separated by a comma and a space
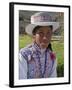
43, 36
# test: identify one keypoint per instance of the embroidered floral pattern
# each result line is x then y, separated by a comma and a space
32, 55
52, 55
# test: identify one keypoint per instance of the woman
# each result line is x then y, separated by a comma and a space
38, 60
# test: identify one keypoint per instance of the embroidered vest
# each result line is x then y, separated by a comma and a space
32, 55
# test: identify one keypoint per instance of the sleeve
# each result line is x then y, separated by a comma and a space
22, 67
54, 69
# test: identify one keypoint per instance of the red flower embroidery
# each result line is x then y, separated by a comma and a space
52, 55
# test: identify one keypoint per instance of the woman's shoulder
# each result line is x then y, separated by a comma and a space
26, 52
26, 49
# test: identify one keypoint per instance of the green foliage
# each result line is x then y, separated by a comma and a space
58, 48
60, 70
24, 40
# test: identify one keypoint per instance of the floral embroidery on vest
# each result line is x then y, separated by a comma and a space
52, 55
32, 55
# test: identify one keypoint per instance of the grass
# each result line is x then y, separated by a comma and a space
58, 48
24, 40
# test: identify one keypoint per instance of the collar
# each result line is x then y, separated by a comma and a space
38, 49
43, 51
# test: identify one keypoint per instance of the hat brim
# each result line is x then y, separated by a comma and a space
30, 27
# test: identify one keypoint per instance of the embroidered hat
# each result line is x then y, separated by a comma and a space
41, 19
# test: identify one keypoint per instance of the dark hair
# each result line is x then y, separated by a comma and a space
37, 27
50, 47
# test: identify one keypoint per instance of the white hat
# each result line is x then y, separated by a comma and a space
41, 19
